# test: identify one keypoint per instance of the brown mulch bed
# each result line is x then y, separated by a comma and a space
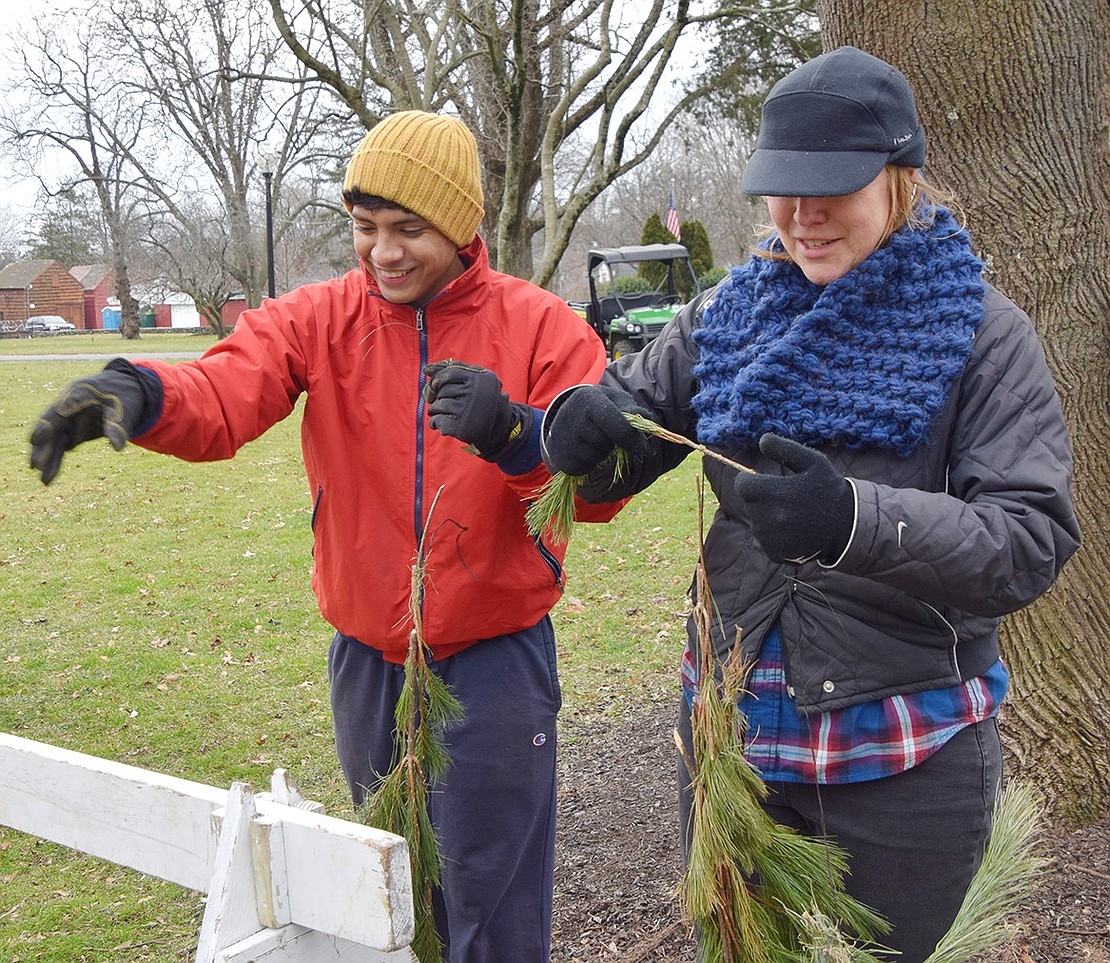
617, 868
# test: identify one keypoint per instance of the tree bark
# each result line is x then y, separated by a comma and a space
1013, 98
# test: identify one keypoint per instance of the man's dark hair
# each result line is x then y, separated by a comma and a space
372, 202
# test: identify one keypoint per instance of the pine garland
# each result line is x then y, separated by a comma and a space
399, 803
756, 891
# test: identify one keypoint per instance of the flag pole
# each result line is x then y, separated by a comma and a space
672, 216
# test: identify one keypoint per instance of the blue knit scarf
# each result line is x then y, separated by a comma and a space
865, 361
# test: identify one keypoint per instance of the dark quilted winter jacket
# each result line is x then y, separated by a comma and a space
969, 528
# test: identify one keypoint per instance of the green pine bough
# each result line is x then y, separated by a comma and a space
552, 513
758, 892
1011, 867
399, 802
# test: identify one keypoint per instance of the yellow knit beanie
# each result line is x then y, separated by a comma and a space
427, 163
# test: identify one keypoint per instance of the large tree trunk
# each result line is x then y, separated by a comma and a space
1013, 98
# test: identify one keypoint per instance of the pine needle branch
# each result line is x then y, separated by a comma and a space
399, 804
756, 891
552, 512
1009, 869
649, 427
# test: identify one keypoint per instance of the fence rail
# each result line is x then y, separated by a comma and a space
285, 882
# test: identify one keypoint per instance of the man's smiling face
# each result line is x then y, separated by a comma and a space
411, 260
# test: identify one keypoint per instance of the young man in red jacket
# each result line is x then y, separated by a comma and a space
412, 363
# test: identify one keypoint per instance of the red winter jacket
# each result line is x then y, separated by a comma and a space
373, 463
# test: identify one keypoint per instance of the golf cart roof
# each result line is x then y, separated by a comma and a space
636, 253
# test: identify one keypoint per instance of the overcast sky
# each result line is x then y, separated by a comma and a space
19, 194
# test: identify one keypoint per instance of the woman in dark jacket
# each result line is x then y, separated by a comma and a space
911, 487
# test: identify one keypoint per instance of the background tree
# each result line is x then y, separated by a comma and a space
704, 160
313, 236
66, 229
654, 232
198, 270
696, 240
566, 96
1014, 98
74, 103
769, 45
206, 71
11, 236
155, 106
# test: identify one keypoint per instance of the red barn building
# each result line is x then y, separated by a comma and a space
99, 284
28, 288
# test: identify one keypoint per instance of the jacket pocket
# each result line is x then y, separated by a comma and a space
549, 560
316, 502
316, 506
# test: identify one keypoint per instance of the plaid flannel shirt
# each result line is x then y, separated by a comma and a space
867, 741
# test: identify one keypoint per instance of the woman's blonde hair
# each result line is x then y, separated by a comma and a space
913, 203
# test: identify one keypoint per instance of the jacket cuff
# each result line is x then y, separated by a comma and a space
851, 533
151, 387
556, 402
523, 455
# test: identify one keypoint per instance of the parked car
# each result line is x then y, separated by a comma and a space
48, 323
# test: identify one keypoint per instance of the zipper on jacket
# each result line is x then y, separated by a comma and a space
418, 493
551, 560
955, 636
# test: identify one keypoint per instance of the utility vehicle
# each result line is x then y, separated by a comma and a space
627, 322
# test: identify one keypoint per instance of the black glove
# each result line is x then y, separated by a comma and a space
111, 404
466, 402
801, 516
581, 433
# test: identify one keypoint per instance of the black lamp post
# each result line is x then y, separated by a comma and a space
267, 161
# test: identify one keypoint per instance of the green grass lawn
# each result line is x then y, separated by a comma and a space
105, 342
159, 613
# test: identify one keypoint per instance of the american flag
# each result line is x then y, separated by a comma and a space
672, 219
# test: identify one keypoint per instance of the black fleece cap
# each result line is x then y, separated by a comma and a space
831, 125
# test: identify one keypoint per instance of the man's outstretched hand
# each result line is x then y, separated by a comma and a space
108, 404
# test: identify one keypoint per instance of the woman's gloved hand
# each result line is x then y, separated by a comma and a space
584, 427
801, 516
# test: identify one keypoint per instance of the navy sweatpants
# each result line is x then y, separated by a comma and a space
494, 811
914, 840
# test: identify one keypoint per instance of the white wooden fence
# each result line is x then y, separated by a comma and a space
285, 883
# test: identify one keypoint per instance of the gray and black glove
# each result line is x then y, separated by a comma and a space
801, 516
466, 402
109, 404
586, 425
